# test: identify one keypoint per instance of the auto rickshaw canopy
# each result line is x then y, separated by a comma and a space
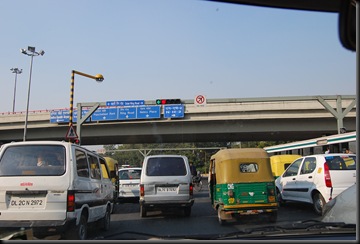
280, 162
229, 165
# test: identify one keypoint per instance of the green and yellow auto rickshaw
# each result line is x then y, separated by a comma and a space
280, 162
241, 183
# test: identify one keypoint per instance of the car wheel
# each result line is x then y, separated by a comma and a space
142, 211
105, 221
279, 197
78, 232
187, 211
319, 203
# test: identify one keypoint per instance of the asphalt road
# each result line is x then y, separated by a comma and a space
126, 223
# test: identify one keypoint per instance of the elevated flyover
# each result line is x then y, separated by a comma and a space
238, 119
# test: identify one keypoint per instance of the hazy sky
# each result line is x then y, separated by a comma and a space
150, 49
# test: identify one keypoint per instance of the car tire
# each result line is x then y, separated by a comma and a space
105, 221
319, 203
279, 197
187, 211
142, 211
78, 232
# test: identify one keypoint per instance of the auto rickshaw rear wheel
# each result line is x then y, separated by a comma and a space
220, 212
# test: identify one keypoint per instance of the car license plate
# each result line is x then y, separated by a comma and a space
166, 189
130, 185
26, 202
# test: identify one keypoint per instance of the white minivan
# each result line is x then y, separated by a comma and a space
166, 183
54, 187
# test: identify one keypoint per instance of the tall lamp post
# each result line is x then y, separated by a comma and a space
16, 71
98, 78
30, 52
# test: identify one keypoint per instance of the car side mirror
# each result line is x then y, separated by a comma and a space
347, 24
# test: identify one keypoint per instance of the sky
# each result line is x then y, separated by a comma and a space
152, 49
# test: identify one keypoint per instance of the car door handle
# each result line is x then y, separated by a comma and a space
310, 177
293, 178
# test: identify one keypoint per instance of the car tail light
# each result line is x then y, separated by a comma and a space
327, 175
191, 189
271, 193
71, 201
142, 191
231, 193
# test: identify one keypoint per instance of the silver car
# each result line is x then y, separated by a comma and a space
343, 207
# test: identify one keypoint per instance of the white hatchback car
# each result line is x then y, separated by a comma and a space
316, 179
129, 180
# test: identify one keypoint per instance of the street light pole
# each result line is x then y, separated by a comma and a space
30, 52
98, 78
16, 71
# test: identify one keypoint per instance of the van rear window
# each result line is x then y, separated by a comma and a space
166, 166
33, 160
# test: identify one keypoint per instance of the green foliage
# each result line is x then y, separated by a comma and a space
198, 153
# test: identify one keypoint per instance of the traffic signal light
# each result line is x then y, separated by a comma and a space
168, 101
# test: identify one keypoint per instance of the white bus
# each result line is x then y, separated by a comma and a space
336, 143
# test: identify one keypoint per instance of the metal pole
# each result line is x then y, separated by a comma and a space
71, 97
98, 78
14, 92
28, 98
357, 79
16, 71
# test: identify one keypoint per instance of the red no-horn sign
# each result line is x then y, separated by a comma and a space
200, 100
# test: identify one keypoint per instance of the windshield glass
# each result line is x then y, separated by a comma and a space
341, 162
165, 166
33, 161
187, 78
128, 174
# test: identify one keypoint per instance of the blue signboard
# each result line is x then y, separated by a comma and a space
121, 113
126, 103
58, 116
63, 116
148, 112
174, 111
83, 112
126, 113
104, 114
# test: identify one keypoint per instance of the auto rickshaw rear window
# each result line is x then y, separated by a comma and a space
249, 167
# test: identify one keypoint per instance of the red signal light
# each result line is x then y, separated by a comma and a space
168, 101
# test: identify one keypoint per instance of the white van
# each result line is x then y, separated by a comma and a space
166, 183
71, 189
